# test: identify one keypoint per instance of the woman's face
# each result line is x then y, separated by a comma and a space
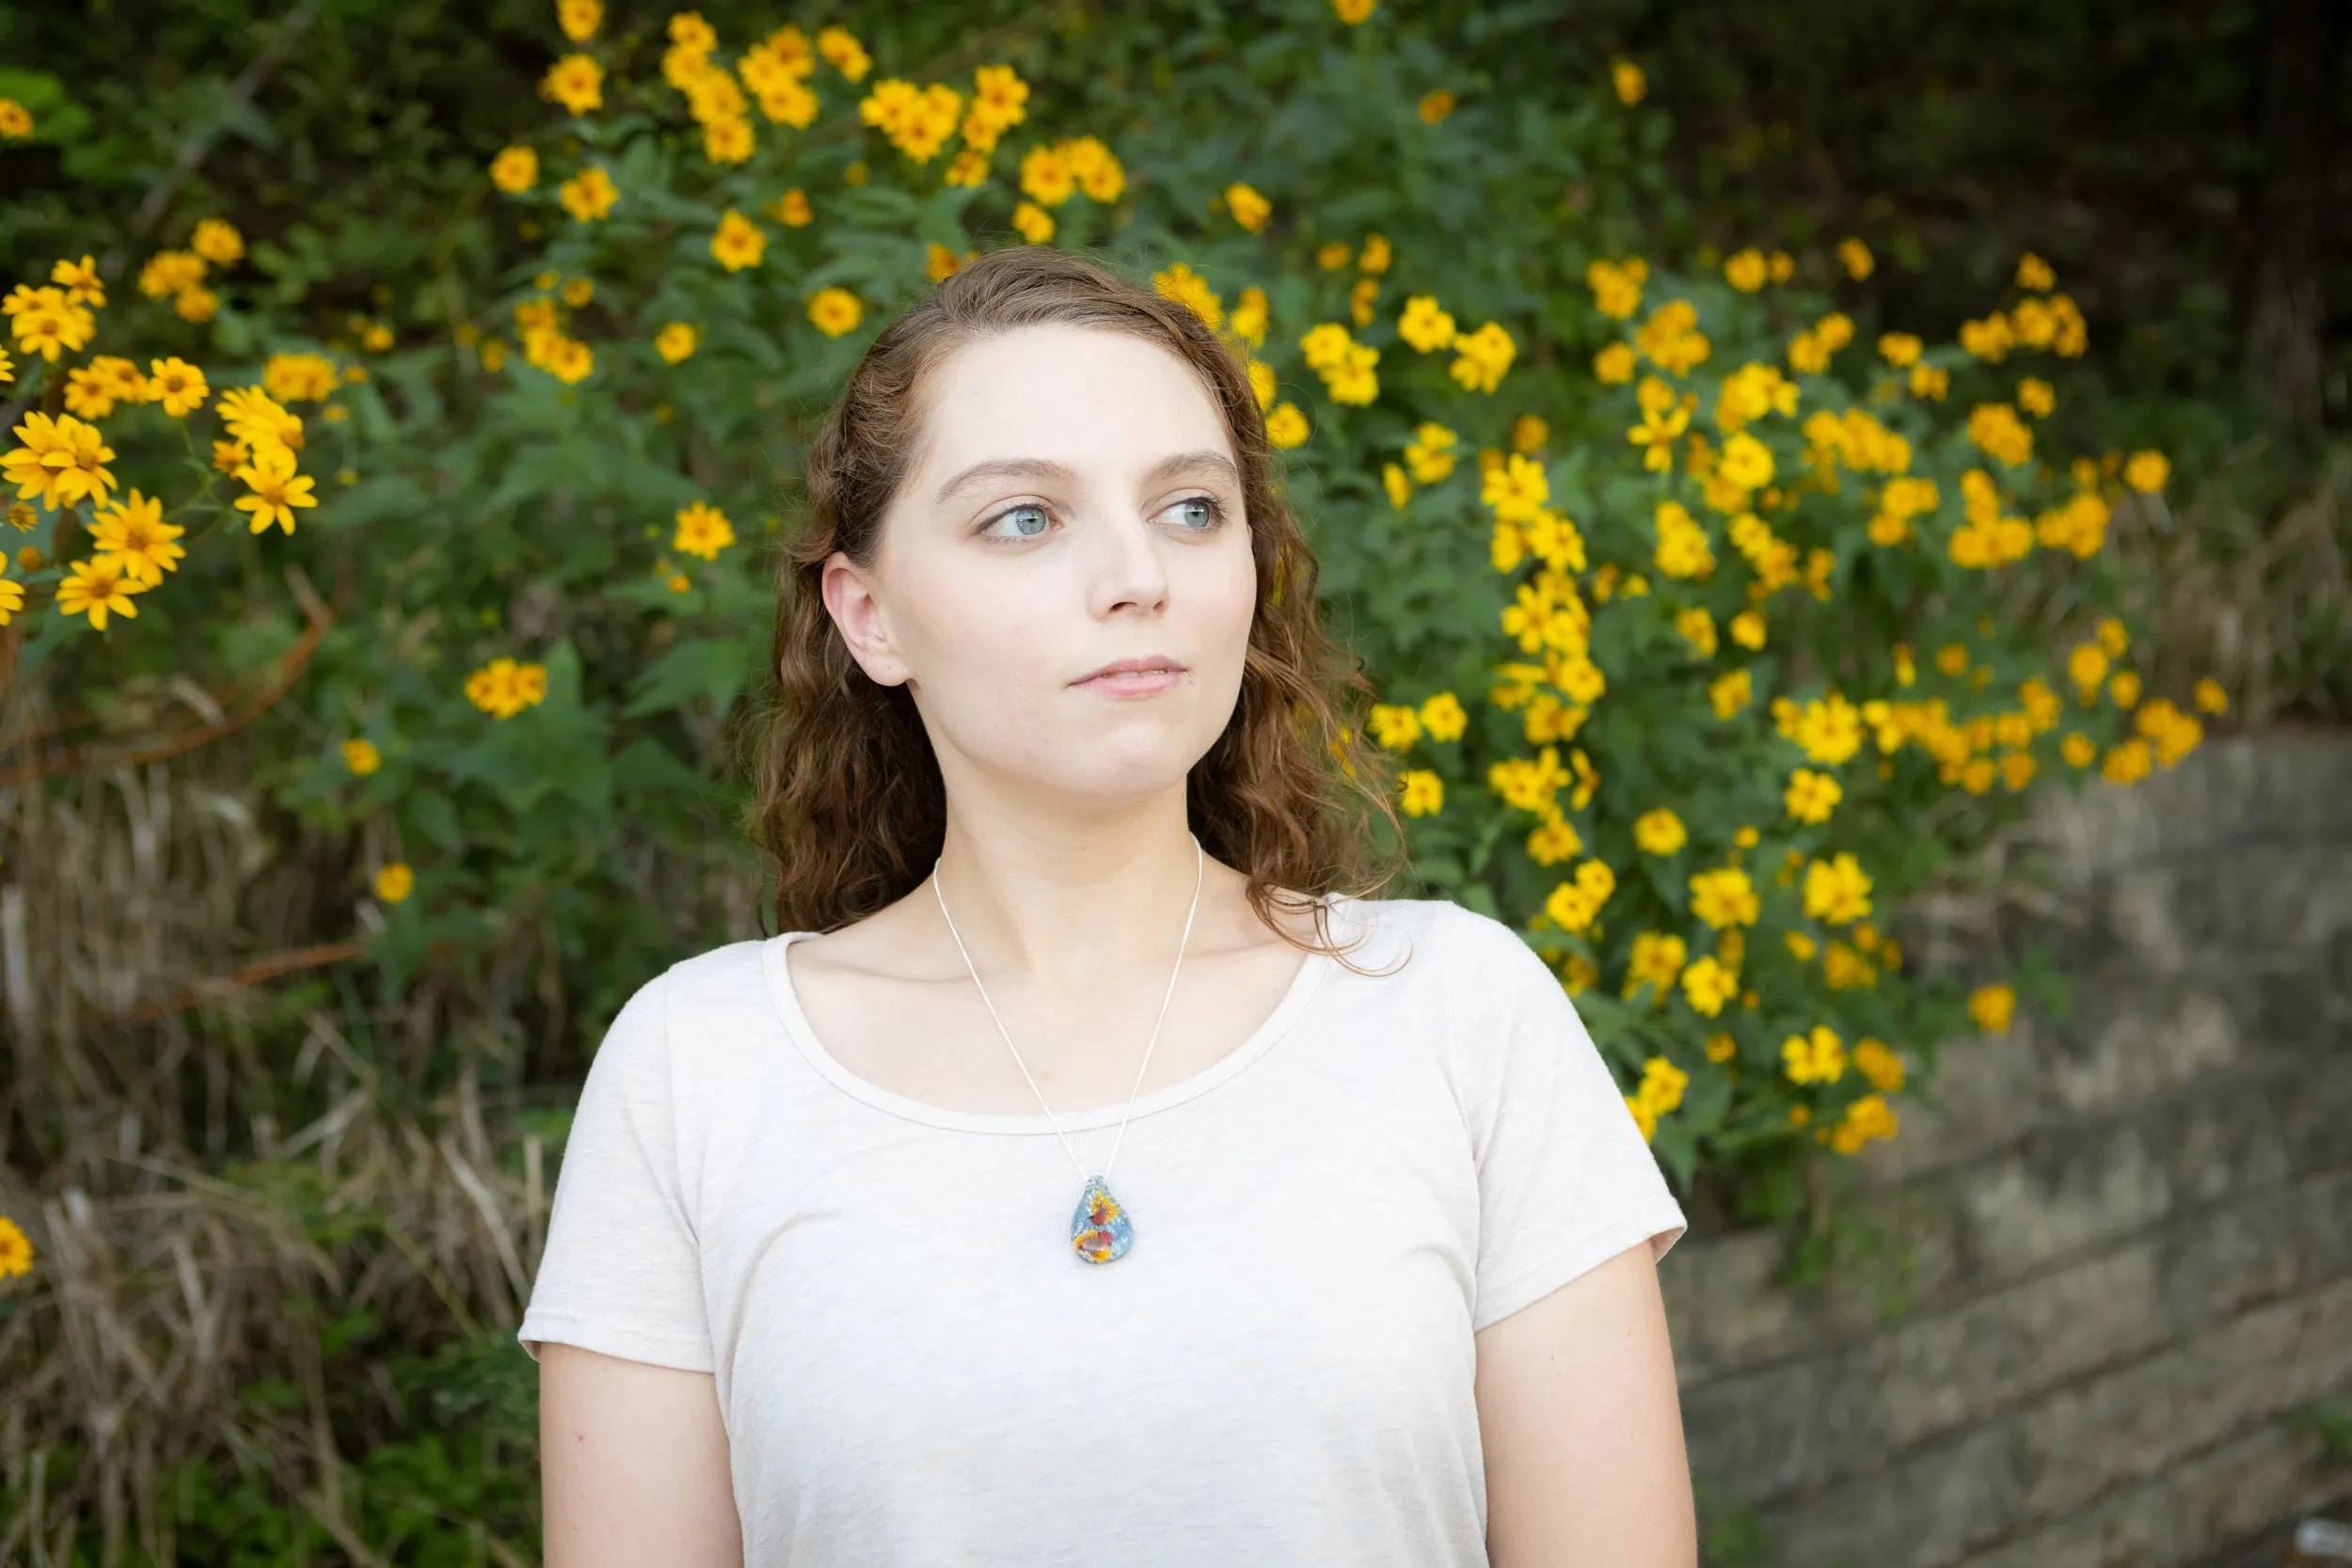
1075, 505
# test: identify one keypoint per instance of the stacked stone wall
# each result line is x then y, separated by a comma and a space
2088, 1288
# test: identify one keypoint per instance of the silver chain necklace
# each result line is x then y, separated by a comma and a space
1100, 1232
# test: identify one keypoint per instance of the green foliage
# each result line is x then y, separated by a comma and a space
526, 646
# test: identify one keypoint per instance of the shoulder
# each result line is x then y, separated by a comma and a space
680, 1003
1463, 939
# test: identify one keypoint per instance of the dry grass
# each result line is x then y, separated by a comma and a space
210, 1191
2257, 596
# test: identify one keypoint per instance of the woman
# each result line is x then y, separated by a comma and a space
1065, 825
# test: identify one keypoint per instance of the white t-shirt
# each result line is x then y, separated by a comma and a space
916, 1371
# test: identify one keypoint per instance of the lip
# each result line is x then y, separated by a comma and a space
1142, 676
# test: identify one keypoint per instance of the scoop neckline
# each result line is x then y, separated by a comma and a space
1270, 1029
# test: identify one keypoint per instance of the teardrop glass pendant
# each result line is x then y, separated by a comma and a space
1100, 1230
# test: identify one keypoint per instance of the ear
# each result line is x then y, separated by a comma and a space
857, 614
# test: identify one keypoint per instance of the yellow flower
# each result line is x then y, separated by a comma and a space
1392, 480
1516, 488
2210, 697
834, 312
1992, 1007
276, 489
578, 19
1099, 173
361, 757
1657, 958
1430, 454
196, 303
1434, 106
1034, 222
702, 530
970, 168
2128, 763
1811, 796
1707, 985
1627, 78
1856, 258
729, 140
1393, 725
1353, 12
2146, 471
1248, 208
2036, 397
1866, 1118
92, 390
1816, 1058
1484, 356
135, 539
47, 324
1881, 1065
1188, 289
1745, 270
167, 272
503, 688
2035, 274
843, 51
1375, 256
1996, 430
255, 419
1423, 792
1747, 629
1252, 314
1900, 349
675, 342
589, 196
218, 242
1926, 381
16, 121
1262, 385
1617, 286
299, 377
97, 589
791, 209
62, 461
1746, 462
1836, 891
1730, 694
1659, 832
1443, 717
1046, 176
1286, 427
395, 882
1575, 904
81, 282
1423, 326
16, 1250
576, 82
1614, 364
738, 243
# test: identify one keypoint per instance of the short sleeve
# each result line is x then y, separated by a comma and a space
1565, 1181
621, 1272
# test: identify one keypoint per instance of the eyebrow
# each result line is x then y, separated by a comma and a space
1008, 468
1047, 470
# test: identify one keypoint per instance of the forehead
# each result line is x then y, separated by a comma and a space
1076, 395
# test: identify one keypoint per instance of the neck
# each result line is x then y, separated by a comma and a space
1070, 911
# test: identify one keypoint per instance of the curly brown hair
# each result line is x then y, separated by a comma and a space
848, 800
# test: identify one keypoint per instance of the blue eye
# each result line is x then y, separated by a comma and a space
1026, 516
1197, 514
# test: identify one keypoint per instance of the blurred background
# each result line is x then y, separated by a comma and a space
311, 913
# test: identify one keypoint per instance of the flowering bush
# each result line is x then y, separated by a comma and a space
1708, 624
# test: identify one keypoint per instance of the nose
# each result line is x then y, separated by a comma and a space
1125, 572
